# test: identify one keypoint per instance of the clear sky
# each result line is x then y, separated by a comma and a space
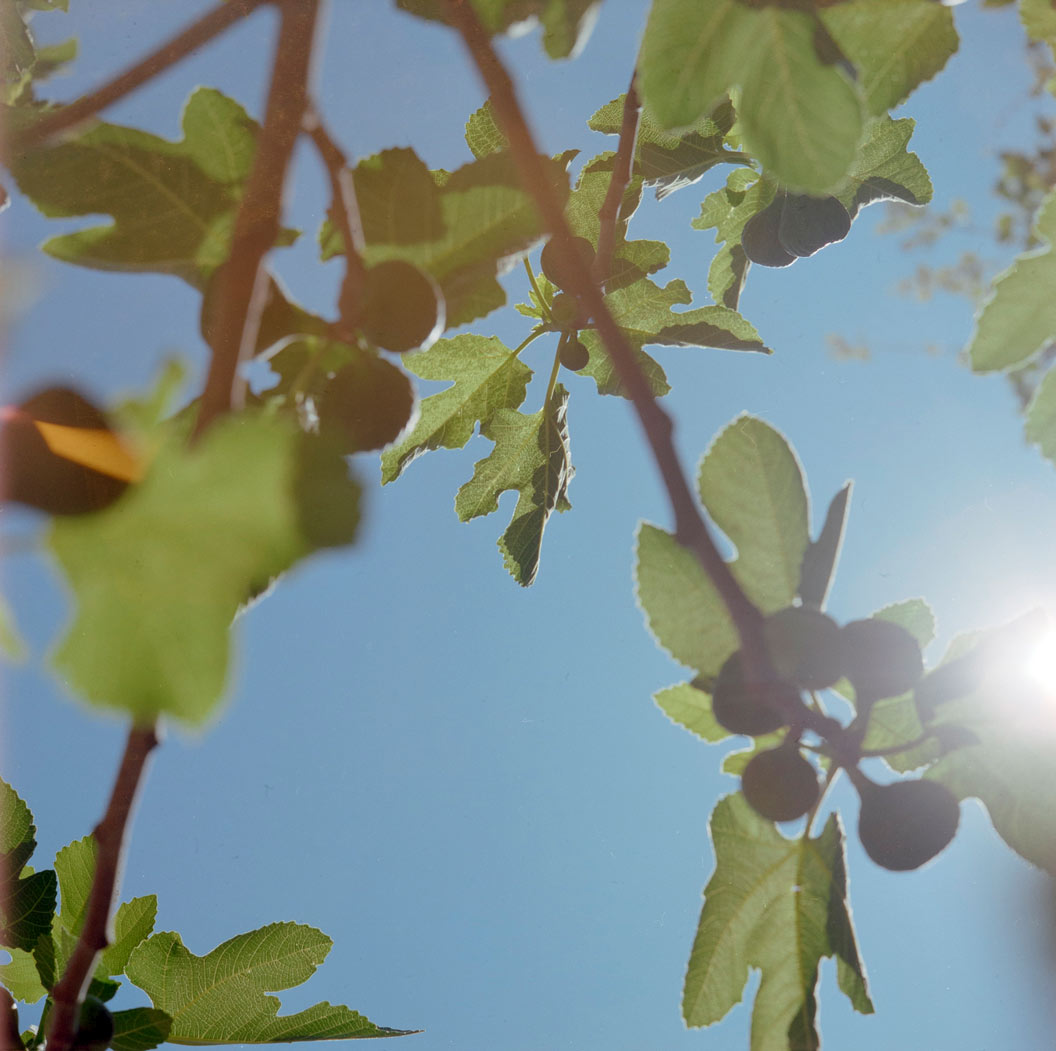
466, 784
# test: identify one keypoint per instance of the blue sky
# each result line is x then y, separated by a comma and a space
466, 784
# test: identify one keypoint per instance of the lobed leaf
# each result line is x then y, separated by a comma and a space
821, 556
220, 998
1041, 416
27, 902
531, 455
486, 377
752, 485
172, 203
139, 1029
483, 134
690, 706
799, 115
780, 906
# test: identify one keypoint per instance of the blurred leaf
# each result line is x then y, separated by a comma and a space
894, 46
146, 584
566, 23
531, 455
221, 998
27, 903
751, 483
778, 905
1019, 317
690, 706
173, 203
11, 644
801, 117
486, 377
1041, 416
1039, 20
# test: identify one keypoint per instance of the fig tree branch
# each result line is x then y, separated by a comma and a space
623, 167
10, 1038
690, 528
243, 280
176, 48
110, 835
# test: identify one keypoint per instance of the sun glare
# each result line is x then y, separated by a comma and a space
1040, 665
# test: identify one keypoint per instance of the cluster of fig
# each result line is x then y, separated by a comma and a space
396, 306
565, 309
901, 825
794, 225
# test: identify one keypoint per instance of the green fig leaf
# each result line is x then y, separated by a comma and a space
27, 902
690, 706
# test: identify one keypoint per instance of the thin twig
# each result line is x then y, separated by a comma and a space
345, 207
199, 32
690, 529
109, 836
829, 778
243, 280
623, 167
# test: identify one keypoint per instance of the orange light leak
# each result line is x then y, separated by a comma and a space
100, 450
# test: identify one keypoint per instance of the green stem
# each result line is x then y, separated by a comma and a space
538, 292
530, 338
555, 369
829, 778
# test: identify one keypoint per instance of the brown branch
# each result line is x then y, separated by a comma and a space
623, 167
109, 836
10, 1037
690, 528
243, 281
199, 32
345, 208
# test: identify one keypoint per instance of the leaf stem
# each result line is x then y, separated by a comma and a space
690, 528
537, 290
623, 166
831, 776
555, 369
110, 835
243, 280
530, 338
345, 209
178, 47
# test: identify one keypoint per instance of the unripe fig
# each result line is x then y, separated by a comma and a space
905, 824
95, 1025
554, 262
780, 784
565, 310
401, 308
365, 404
760, 240
574, 354
751, 710
804, 647
808, 224
880, 658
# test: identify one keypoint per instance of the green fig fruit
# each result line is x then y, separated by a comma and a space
565, 311
574, 354
95, 1025
401, 307
366, 404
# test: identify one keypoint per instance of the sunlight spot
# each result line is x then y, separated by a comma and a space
1040, 665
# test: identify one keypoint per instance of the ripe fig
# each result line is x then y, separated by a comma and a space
59, 454
574, 354
365, 404
760, 239
905, 824
880, 658
808, 224
748, 710
804, 646
402, 307
554, 262
780, 784
95, 1025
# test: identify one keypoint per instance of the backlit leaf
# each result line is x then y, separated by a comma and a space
690, 706
221, 998
799, 116
778, 905
531, 455
27, 902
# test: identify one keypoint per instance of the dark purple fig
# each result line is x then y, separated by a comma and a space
805, 647
752, 710
760, 239
808, 224
574, 354
402, 307
780, 784
880, 658
905, 824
